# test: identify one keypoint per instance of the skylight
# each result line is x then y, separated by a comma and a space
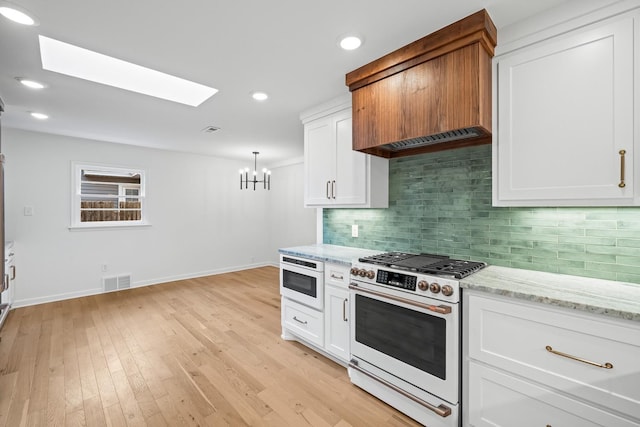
85, 64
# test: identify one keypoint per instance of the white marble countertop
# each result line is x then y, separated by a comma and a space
328, 253
610, 298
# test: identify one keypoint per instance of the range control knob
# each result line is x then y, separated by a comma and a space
423, 285
371, 274
362, 272
354, 271
447, 290
435, 287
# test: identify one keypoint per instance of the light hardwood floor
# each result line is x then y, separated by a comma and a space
198, 352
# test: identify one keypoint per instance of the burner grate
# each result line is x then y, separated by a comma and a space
426, 264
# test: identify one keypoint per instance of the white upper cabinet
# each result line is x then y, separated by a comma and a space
564, 115
335, 175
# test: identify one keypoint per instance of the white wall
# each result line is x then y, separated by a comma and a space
201, 223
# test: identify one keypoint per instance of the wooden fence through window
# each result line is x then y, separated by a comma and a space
110, 211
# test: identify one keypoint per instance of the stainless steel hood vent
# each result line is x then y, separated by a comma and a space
435, 139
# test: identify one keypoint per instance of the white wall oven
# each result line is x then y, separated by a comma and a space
405, 333
302, 280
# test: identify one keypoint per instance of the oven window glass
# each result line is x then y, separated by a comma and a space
299, 283
415, 338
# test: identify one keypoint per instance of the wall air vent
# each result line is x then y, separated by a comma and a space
115, 283
435, 139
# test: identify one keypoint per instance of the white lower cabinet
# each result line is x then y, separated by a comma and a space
336, 306
531, 364
303, 321
500, 399
327, 330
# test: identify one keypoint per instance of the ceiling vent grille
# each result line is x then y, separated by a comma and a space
211, 129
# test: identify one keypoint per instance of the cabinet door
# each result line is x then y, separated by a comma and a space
499, 399
337, 322
351, 166
565, 115
319, 162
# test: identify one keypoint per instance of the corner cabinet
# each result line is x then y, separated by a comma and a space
531, 364
335, 175
564, 122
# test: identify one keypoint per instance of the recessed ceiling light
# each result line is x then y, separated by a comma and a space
259, 96
30, 83
16, 14
39, 116
350, 42
85, 64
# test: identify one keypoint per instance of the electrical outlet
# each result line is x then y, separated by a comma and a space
104, 267
28, 210
354, 230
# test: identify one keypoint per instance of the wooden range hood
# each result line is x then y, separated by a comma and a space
433, 94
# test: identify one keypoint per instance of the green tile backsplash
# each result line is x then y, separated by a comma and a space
441, 203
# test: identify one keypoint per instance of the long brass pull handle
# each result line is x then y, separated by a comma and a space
441, 410
333, 188
344, 309
328, 184
606, 365
622, 153
440, 309
304, 322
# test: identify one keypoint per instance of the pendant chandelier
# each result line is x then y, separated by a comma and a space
244, 175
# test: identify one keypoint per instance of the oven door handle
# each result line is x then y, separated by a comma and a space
440, 309
441, 410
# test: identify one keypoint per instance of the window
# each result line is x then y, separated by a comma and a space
107, 196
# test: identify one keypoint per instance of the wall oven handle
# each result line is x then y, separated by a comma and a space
441, 410
440, 309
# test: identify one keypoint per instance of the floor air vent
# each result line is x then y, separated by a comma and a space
114, 283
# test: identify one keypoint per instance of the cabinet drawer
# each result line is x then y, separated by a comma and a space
499, 399
517, 336
336, 275
303, 321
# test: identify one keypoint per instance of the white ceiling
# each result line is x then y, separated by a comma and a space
287, 48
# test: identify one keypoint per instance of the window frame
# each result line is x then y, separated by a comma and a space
76, 196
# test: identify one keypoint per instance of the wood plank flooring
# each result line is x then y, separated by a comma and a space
198, 352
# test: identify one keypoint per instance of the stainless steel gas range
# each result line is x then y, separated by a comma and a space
405, 332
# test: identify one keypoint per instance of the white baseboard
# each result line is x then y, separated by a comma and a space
157, 281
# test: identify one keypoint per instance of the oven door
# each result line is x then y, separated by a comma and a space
303, 285
417, 342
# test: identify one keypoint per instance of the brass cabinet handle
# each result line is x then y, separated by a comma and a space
344, 309
622, 153
327, 189
606, 365
339, 277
